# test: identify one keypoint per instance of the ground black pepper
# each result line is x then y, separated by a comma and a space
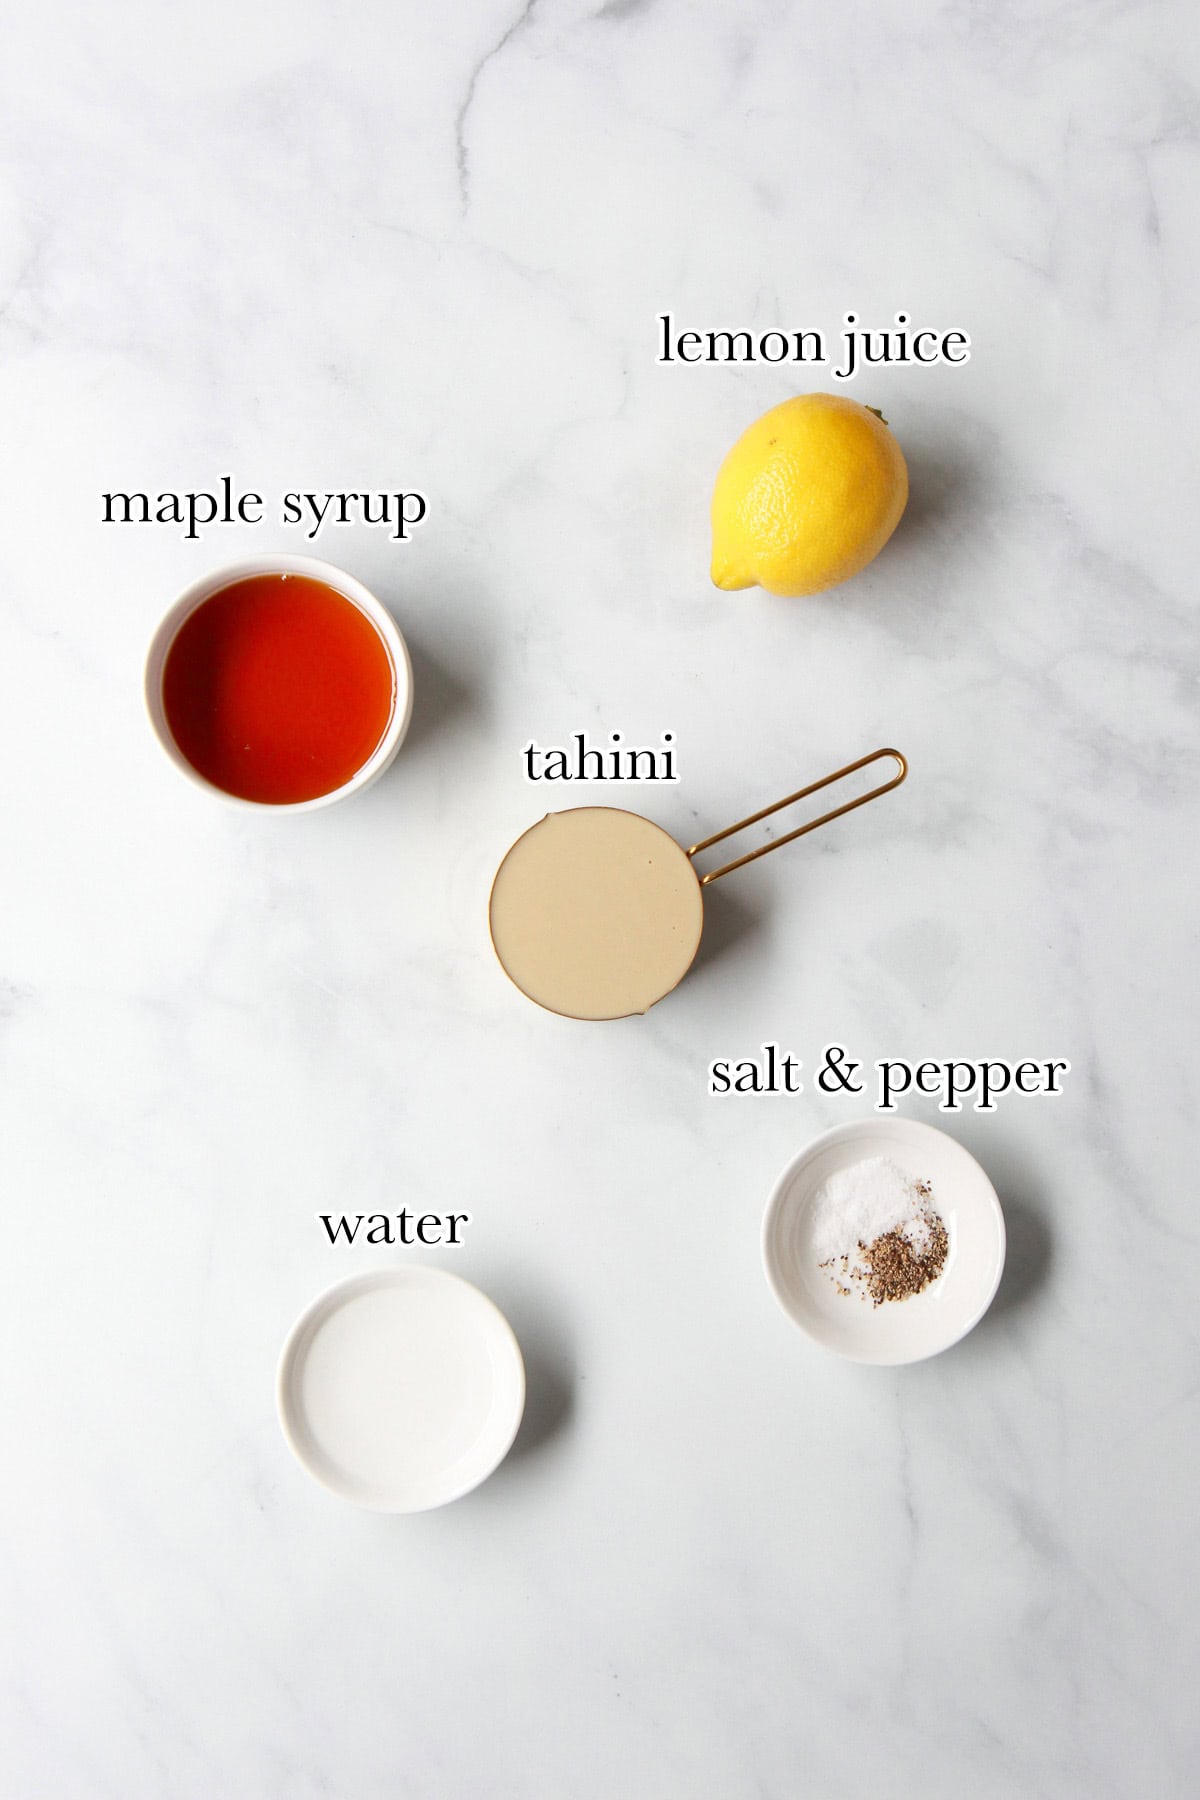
892, 1269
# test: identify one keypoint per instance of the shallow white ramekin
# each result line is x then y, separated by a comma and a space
341, 583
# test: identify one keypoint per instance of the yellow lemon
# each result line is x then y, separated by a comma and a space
806, 497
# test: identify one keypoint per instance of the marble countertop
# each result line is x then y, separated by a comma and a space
402, 247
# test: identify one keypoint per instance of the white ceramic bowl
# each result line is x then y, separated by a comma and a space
283, 564
898, 1331
401, 1389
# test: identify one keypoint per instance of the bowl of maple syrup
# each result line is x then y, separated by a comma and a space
279, 682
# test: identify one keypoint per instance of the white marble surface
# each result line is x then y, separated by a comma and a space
397, 245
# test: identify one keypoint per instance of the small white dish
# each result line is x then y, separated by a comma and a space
401, 1389
898, 1331
341, 583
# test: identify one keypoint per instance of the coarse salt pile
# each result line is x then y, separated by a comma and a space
874, 1230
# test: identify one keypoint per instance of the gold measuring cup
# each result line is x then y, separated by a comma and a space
596, 913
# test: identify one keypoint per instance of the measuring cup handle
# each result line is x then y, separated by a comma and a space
790, 800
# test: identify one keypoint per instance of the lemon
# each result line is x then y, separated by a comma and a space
806, 497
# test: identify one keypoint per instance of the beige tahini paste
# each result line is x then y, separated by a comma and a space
596, 913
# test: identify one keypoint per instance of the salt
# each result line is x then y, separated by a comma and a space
862, 1203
